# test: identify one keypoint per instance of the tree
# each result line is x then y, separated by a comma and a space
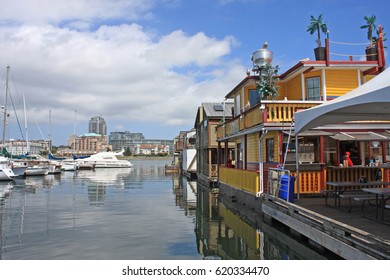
266, 86
370, 25
317, 24
127, 152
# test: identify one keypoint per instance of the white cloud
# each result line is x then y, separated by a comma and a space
57, 11
123, 72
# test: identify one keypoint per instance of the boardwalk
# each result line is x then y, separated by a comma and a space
356, 218
351, 235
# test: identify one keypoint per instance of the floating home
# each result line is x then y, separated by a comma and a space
186, 148
260, 134
208, 117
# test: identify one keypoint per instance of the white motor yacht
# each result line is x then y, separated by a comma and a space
106, 160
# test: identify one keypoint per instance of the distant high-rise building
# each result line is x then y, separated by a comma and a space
97, 125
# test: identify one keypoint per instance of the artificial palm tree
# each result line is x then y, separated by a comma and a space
267, 85
370, 25
317, 24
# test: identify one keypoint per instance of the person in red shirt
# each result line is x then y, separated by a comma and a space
348, 159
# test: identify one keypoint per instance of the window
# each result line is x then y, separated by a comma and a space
254, 97
218, 107
237, 105
387, 151
269, 145
313, 88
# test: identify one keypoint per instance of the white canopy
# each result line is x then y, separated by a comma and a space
370, 101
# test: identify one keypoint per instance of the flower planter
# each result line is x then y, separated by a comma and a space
320, 53
371, 53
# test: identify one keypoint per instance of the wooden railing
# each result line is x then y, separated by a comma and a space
274, 111
352, 174
241, 179
310, 182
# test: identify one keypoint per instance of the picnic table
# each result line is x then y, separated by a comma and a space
340, 188
383, 194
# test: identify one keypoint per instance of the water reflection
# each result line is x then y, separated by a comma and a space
137, 213
221, 234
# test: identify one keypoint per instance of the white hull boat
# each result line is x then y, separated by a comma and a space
69, 166
6, 173
54, 169
36, 171
18, 167
106, 160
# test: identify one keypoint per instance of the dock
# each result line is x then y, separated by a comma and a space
351, 235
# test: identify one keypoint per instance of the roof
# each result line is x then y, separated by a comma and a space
215, 110
305, 66
368, 102
248, 80
361, 136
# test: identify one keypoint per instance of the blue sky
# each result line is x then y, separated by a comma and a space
146, 65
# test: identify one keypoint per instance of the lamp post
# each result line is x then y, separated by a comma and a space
260, 59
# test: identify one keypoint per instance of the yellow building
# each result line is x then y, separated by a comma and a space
261, 131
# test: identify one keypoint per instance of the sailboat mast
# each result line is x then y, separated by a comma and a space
49, 146
25, 123
5, 104
74, 132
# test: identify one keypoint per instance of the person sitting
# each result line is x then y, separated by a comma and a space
347, 162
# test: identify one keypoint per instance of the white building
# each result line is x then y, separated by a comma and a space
150, 149
20, 147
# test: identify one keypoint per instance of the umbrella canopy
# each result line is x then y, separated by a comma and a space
370, 101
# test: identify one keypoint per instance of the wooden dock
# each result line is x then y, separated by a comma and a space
351, 235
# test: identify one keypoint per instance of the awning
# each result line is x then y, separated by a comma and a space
310, 133
361, 136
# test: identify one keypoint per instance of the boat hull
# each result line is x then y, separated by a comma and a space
36, 171
105, 160
6, 174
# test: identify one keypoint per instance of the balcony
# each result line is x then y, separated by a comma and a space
273, 112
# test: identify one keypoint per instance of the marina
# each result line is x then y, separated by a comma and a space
292, 165
133, 213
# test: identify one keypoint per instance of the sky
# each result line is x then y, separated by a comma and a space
146, 66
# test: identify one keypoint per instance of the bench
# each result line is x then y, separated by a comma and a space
357, 196
326, 194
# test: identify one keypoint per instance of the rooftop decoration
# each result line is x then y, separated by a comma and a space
318, 25
371, 27
267, 84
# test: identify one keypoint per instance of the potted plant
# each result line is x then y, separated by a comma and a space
371, 50
318, 25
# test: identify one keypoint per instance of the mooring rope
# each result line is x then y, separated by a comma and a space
339, 54
352, 44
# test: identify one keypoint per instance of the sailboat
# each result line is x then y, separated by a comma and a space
6, 172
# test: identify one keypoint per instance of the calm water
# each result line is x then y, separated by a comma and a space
138, 213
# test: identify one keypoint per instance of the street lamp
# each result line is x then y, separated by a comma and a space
260, 59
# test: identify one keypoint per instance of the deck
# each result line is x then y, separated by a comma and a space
349, 234
356, 218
